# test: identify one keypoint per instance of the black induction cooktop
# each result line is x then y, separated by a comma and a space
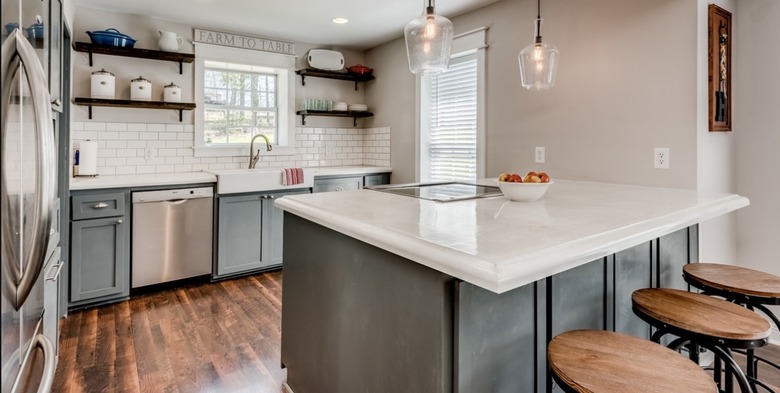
442, 192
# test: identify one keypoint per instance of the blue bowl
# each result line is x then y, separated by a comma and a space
9, 28
35, 32
111, 37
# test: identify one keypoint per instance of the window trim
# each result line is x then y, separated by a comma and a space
463, 44
284, 68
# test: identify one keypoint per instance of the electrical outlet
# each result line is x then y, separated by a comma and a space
539, 156
661, 158
148, 153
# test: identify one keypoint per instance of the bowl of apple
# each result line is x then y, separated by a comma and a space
528, 188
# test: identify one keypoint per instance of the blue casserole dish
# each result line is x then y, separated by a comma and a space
111, 37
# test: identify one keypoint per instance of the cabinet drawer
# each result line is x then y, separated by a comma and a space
338, 184
98, 205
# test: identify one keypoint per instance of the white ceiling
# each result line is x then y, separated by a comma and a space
371, 22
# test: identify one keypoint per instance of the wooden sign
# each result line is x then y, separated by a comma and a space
719, 42
243, 41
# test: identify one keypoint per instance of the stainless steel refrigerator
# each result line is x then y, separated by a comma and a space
28, 198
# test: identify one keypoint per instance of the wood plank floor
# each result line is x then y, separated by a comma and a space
218, 337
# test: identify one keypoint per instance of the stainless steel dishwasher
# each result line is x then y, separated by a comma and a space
172, 235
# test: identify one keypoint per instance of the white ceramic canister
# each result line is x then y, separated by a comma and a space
171, 93
141, 89
103, 85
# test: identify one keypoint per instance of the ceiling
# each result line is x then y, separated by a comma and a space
371, 22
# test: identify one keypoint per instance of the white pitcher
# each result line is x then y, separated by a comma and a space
169, 41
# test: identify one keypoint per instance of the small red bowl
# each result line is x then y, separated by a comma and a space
360, 70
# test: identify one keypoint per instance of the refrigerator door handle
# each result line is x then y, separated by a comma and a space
49, 366
17, 53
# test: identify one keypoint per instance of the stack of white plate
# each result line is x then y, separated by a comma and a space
358, 107
340, 106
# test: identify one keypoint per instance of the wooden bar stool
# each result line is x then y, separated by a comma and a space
596, 361
751, 288
712, 323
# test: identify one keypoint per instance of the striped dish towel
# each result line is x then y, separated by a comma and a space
292, 176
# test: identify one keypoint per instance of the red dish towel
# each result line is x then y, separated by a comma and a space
291, 176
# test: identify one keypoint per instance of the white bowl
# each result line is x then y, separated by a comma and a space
358, 107
523, 192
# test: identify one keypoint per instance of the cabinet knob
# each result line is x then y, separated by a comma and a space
57, 102
270, 197
101, 205
119, 221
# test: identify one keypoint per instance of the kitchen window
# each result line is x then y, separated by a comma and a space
238, 104
241, 93
451, 120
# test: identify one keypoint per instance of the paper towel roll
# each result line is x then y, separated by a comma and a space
88, 158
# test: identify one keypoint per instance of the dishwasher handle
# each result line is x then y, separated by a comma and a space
174, 195
175, 201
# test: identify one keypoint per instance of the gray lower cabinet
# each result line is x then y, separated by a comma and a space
345, 183
249, 232
376, 180
100, 248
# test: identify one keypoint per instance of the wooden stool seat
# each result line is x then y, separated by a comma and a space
734, 280
605, 362
701, 316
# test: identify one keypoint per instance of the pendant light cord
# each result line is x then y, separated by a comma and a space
538, 21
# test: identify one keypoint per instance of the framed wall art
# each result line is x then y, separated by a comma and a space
719, 42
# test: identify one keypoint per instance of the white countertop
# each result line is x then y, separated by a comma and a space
501, 245
164, 179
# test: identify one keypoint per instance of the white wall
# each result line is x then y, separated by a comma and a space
140, 141
757, 132
716, 151
145, 30
625, 86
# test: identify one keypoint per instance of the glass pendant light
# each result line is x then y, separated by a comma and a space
428, 42
538, 61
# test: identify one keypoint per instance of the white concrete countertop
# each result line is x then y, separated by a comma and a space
153, 179
500, 245
164, 179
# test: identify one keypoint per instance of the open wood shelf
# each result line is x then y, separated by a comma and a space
353, 114
133, 52
340, 75
90, 102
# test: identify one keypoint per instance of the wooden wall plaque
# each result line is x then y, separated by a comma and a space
720, 37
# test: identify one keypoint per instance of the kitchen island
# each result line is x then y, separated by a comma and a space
387, 293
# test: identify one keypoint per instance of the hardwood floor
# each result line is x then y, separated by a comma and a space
218, 337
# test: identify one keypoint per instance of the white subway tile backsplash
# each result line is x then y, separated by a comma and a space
125, 170
123, 148
116, 126
136, 127
94, 126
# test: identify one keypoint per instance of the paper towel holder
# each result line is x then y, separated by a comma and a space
76, 165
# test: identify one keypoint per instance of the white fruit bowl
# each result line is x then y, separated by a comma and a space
523, 192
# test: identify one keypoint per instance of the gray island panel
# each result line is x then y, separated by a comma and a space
357, 318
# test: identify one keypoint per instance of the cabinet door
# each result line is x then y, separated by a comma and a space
338, 184
376, 180
273, 225
100, 261
239, 238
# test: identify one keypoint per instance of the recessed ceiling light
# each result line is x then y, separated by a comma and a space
340, 21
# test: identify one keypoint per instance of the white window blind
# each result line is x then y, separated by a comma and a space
452, 131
